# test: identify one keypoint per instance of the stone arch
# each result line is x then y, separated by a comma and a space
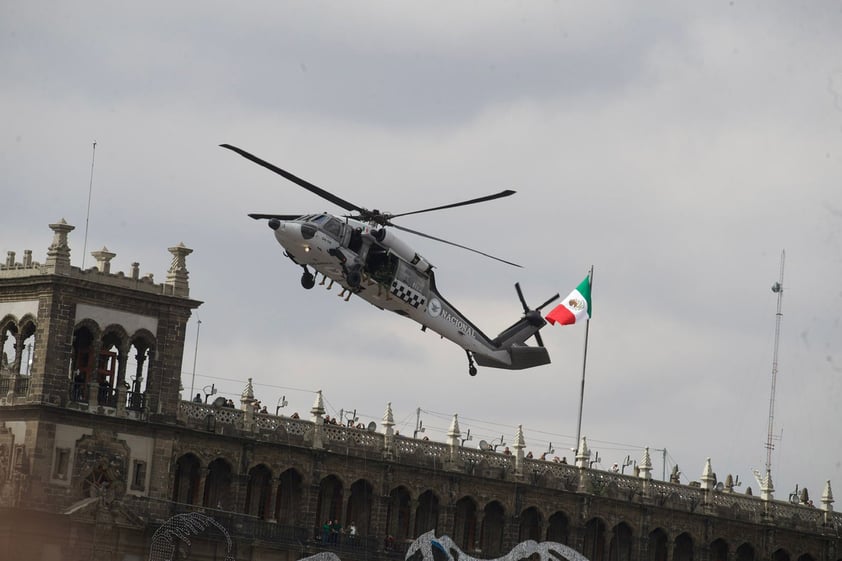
658, 545
781, 555
558, 528
360, 506
83, 350
289, 498
329, 504
593, 545
27, 343
530, 525
745, 552
427, 513
8, 343
398, 514
186, 479
145, 345
258, 491
620, 548
493, 525
217, 493
718, 550
465, 523
683, 548
17, 344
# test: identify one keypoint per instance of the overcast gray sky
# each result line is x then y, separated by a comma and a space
678, 148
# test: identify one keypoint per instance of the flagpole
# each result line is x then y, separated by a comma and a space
584, 363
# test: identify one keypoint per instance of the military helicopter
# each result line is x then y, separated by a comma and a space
360, 252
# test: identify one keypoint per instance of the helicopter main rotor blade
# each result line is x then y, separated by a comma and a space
423, 235
295, 179
259, 216
499, 195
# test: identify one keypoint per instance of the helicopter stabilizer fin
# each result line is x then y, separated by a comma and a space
523, 356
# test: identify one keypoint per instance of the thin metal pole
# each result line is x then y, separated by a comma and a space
88, 215
195, 355
584, 364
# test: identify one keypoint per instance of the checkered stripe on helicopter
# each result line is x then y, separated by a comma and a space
407, 294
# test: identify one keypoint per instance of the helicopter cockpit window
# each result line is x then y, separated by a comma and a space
333, 227
318, 218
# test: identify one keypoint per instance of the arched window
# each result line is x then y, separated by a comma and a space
493, 523
359, 506
658, 545
465, 523
594, 543
330, 500
82, 361
186, 482
258, 491
397, 517
745, 553
780, 555
558, 528
288, 502
621, 543
719, 550
137, 370
530, 525
427, 513
218, 485
683, 548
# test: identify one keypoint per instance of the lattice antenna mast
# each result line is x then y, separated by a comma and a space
777, 288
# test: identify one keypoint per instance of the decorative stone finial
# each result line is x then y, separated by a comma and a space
103, 259
248, 391
318, 409
645, 465
453, 433
177, 275
827, 498
58, 254
583, 454
708, 480
767, 488
388, 420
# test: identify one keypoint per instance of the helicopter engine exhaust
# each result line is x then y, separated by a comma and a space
400, 248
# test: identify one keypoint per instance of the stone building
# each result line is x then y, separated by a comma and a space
99, 455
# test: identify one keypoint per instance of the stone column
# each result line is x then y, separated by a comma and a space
274, 484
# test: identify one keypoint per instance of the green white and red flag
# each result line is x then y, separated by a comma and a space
575, 308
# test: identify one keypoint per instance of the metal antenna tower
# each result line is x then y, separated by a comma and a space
777, 288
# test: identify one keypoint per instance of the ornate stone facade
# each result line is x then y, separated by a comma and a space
98, 452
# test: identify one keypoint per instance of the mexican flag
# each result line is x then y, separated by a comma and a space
575, 308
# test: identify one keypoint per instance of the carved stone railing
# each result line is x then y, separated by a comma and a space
539, 472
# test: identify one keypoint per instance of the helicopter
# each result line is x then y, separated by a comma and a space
360, 252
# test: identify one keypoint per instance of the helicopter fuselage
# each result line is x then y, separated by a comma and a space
377, 266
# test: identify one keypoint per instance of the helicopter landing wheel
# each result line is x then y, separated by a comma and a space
472, 369
308, 280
